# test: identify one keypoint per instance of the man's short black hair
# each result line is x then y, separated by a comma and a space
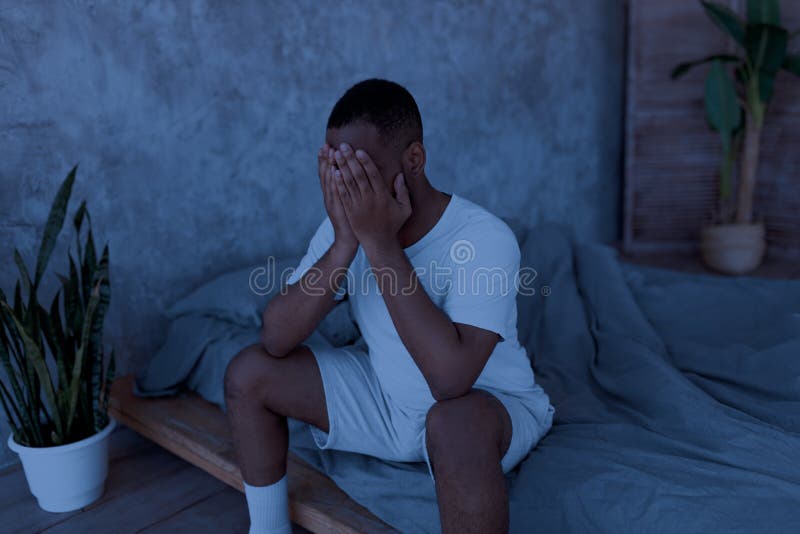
386, 105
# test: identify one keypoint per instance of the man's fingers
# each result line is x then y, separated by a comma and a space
327, 185
322, 161
344, 193
373, 174
355, 168
323, 182
346, 181
401, 190
343, 170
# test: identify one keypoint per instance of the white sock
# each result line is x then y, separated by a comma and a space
269, 508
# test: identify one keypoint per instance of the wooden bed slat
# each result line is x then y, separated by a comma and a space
197, 431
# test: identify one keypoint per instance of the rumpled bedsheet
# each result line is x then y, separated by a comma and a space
677, 398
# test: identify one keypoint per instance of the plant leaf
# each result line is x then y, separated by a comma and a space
18, 304
23, 271
5, 359
722, 107
766, 46
791, 63
728, 162
62, 330
77, 367
724, 115
109, 379
88, 266
683, 68
97, 384
72, 300
16, 428
34, 353
25, 365
13, 346
55, 220
77, 220
766, 83
725, 19
96, 352
8, 341
51, 328
763, 12
766, 50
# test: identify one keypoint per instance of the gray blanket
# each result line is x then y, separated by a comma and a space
677, 398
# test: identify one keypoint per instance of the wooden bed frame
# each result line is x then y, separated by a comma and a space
197, 431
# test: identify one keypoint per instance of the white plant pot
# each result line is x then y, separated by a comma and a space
733, 248
67, 477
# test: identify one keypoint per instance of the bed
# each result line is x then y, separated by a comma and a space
677, 397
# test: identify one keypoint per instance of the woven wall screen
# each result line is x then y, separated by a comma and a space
672, 157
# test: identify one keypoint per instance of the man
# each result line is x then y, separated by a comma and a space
439, 375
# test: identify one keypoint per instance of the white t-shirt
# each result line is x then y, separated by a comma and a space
468, 264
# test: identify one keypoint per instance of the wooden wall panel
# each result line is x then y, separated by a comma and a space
672, 157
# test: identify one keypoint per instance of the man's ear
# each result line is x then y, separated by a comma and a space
414, 159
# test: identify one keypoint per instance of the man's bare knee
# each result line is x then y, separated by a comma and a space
245, 372
464, 426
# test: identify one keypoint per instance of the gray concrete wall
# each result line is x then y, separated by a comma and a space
196, 124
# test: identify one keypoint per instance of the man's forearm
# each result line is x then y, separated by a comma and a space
292, 316
429, 335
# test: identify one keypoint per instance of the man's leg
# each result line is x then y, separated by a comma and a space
260, 392
466, 439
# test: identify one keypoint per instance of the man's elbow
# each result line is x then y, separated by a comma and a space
446, 389
273, 344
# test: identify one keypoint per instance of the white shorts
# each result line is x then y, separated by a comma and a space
362, 419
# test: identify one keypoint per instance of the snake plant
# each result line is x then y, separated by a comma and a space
45, 410
736, 105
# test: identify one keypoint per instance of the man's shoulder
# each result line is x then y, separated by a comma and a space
478, 223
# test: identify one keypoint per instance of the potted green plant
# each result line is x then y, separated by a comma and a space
738, 89
59, 426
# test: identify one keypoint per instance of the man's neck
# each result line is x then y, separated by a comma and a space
427, 206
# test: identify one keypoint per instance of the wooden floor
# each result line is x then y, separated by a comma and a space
148, 489
172, 469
